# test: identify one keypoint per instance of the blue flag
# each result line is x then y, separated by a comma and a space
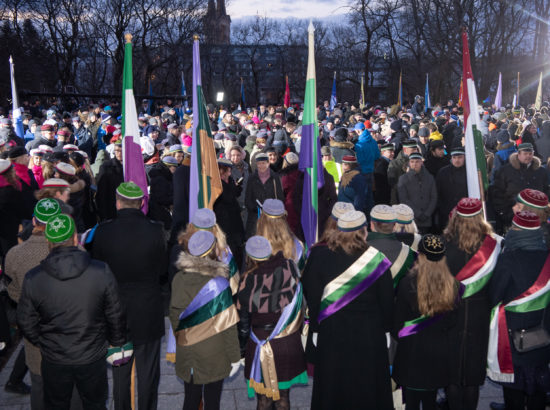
427, 101
333, 100
150, 105
16, 111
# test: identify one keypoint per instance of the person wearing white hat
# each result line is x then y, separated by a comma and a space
348, 322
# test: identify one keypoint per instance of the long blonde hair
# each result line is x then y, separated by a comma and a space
405, 228
221, 242
436, 286
331, 225
467, 232
278, 233
350, 242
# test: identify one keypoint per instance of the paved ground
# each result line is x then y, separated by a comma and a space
233, 397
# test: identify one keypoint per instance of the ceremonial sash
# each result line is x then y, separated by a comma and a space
499, 357
355, 280
416, 241
477, 272
402, 264
210, 312
300, 254
412, 327
234, 276
263, 374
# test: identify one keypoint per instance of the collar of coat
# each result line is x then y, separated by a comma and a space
205, 266
514, 162
344, 144
347, 177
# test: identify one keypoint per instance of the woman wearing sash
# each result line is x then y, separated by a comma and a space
472, 252
424, 313
270, 303
273, 226
204, 318
348, 287
519, 290
536, 202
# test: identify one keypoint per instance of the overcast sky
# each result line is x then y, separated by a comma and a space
285, 8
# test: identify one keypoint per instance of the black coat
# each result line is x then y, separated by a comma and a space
70, 308
382, 189
470, 337
256, 190
434, 164
512, 178
110, 176
450, 133
180, 213
515, 272
12, 211
135, 249
161, 197
228, 215
451, 187
422, 360
351, 358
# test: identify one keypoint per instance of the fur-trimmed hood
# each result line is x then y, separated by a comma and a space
187, 263
77, 186
338, 144
516, 164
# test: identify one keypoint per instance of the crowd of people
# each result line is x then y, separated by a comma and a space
412, 288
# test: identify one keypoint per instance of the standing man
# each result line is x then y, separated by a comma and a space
135, 249
69, 306
367, 152
451, 185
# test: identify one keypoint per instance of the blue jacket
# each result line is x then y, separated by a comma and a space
367, 152
353, 187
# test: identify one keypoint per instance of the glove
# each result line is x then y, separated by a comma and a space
235, 367
117, 356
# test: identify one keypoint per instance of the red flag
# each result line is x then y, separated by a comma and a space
460, 94
287, 94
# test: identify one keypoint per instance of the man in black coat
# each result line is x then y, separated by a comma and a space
451, 185
135, 249
522, 171
382, 189
110, 176
180, 213
70, 307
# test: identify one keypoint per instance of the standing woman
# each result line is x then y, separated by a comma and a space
273, 226
270, 304
424, 314
519, 291
207, 345
472, 253
349, 290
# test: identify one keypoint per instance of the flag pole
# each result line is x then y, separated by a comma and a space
517, 101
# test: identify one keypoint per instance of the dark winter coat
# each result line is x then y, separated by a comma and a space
352, 189
543, 143
180, 214
11, 215
161, 195
210, 360
470, 337
228, 215
419, 192
256, 190
351, 345
289, 177
396, 168
515, 272
450, 133
382, 189
451, 188
513, 178
433, 164
340, 149
77, 200
135, 249
422, 360
70, 308
110, 176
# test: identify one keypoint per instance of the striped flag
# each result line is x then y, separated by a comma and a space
333, 100
538, 99
427, 95
476, 173
132, 160
498, 97
310, 152
461, 92
205, 185
517, 94
362, 96
286, 102
16, 111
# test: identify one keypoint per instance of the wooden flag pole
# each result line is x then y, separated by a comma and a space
133, 386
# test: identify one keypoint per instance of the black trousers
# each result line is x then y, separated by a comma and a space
90, 380
462, 397
413, 398
211, 394
147, 358
518, 400
19, 368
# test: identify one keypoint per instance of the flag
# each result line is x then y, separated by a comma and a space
310, 152
286, 102
487, 100
333, 95
205, 184
362, 96
475, 158
150, 105
132, 160
427, 95
498, 97
514, 100
242, 103
16, 111
538, 99
461, 92
400, 91
184, 92
517, 94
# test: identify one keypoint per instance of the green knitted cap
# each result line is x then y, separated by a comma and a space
45, 209
59, 228
129, 190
